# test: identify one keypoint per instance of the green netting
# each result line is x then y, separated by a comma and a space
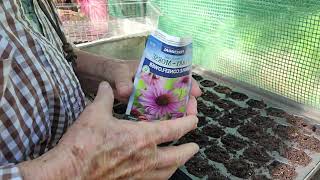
272, 44
127, 8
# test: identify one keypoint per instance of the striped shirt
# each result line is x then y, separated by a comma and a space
40, 94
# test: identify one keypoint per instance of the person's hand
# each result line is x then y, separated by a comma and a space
103, 147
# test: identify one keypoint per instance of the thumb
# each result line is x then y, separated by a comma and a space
104, 97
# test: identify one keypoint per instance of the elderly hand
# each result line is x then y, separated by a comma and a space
99, 146
107, 148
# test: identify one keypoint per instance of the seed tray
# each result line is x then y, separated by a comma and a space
247, 133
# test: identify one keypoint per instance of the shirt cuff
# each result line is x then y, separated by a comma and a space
10, 172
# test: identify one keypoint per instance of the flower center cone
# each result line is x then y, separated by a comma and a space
163, 100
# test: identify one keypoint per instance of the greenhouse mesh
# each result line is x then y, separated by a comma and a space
128, 8
272, 44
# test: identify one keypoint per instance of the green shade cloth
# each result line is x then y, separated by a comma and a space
127, 8
272, 44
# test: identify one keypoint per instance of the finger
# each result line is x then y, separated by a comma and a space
176, 155
124, 84
119, 97
195, 89
134, 64
104, 96
160, 174
192, 106
166, 131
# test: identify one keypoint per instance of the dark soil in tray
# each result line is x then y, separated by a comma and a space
256, 104
276, 112
208, 83
257, 155
239, 168
240, 133
200, 167
282, 171
197, 137
202, 106
213, 131
209, 96
229, 120
263, 122
238, 96
246, 138
260, 177
233, 143
296, 156
217, 154
197, 77
225, 104
215, 175
223, 89
208, 111
244, 113
120, 109
251, 131
271, 143
202, 121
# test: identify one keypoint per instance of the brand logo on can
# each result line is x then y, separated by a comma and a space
173, 50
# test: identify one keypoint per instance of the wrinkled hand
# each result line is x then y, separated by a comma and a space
103, 147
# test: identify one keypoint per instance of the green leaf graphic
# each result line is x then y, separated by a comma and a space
169, 85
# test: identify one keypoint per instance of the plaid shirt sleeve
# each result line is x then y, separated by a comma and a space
40, 95
7, 171
10, 171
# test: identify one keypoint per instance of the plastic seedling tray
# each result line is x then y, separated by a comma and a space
248, 133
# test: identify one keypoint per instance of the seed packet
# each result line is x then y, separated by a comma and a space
163, 79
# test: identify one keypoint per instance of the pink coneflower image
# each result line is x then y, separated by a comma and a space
158, 101
135, 112
182, 82
150, 78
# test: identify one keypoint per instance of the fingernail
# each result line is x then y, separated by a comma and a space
197, 119
196, 123
197, 148
105, 84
